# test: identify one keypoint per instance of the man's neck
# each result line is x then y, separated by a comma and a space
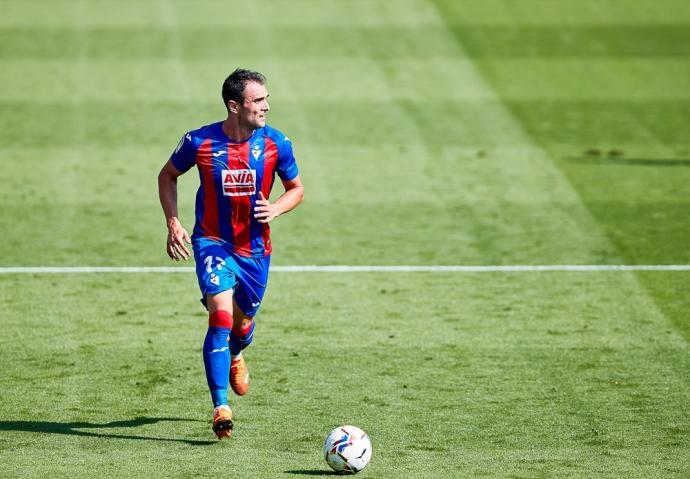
235, 131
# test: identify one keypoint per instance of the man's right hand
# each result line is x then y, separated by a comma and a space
177, 237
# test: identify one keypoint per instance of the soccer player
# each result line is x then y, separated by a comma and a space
237, 160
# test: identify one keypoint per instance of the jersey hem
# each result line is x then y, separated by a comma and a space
239, 252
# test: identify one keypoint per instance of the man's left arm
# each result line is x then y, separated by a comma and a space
265, 211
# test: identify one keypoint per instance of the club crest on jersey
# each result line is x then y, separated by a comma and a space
256, 151
239, 182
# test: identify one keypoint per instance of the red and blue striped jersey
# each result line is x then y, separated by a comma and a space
231, 176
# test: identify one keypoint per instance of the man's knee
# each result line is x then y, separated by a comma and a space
221, 301
240, 319
243, 328
240, 323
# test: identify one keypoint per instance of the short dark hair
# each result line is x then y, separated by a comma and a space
233, 86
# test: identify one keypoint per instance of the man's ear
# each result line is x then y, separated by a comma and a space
233, 106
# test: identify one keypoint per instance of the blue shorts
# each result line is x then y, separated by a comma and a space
219, 269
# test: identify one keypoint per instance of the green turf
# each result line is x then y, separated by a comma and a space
518, 377
427, 132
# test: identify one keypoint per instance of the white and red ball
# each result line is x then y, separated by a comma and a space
347, 449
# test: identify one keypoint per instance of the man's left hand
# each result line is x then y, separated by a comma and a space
265, 211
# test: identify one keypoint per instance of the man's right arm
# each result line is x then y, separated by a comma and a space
178, 237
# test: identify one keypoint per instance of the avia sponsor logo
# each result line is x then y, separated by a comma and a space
239, 182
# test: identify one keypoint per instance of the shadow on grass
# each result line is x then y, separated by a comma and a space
75, 429
613, 160
314, 472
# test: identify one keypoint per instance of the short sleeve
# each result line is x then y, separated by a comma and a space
184, 156
287, 166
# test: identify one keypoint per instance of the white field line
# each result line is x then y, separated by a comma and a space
354, 269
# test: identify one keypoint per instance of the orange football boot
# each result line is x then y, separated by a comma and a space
239, 376
222, 422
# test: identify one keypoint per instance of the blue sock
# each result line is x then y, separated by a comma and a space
217, 363
240, 339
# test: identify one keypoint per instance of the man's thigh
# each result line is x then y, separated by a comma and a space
213, 272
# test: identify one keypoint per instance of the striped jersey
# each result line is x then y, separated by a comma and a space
231, 175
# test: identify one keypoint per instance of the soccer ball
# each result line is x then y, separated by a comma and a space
347, 449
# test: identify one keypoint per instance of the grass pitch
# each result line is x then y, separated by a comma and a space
439, 132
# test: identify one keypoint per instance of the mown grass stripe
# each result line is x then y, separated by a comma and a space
387, 41
356, 269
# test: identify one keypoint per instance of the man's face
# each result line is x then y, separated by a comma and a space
252, 110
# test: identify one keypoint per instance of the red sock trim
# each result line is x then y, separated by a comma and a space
242, 332
220, 319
